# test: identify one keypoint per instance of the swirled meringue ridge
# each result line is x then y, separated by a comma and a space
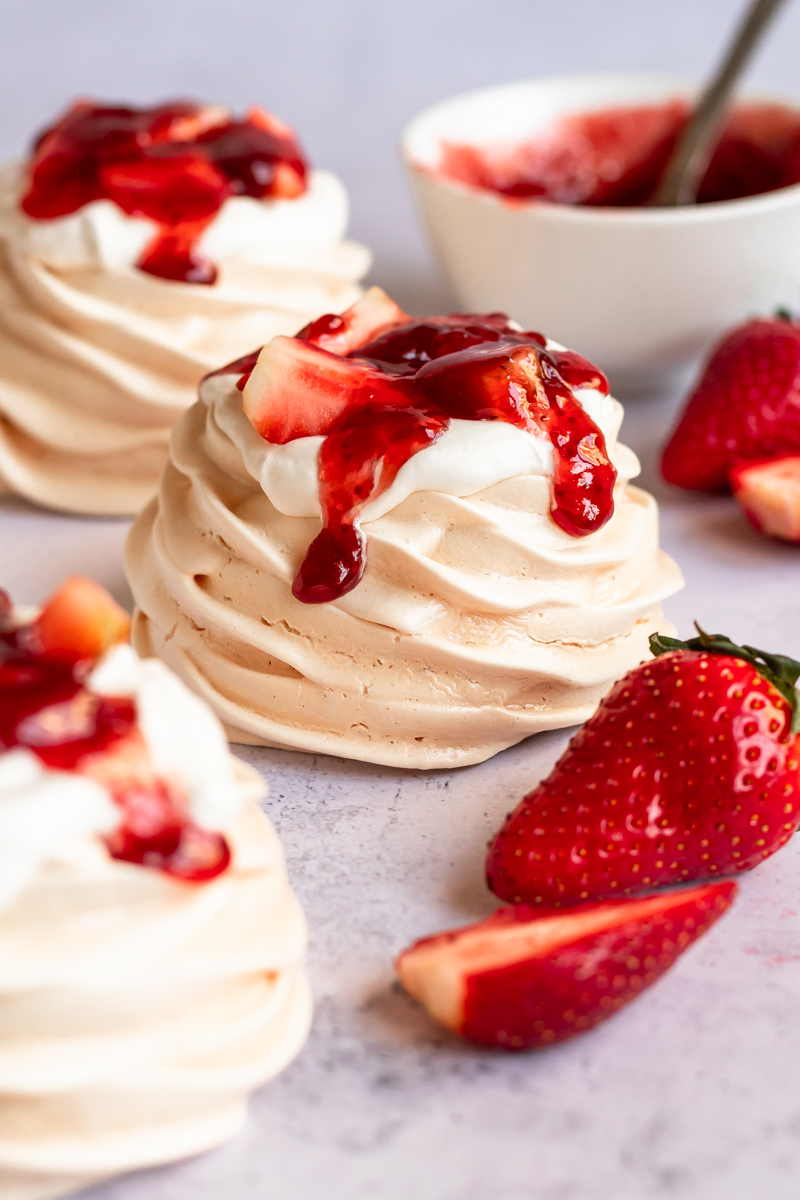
137, 1010
99, 358
477, 622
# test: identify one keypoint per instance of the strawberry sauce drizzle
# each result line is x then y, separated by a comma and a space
372, 443
175, 164
45, 708
473, 367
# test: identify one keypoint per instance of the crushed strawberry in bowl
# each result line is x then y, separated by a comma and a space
615, 157
380, 386
746, 406
74, 696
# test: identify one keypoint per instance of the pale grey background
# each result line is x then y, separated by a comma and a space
348, 74
694, 1092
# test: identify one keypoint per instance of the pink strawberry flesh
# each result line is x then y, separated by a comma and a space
297, 390
769, 493
746, 406
45, 708
342, 333
79, 621
687, 770
523, 979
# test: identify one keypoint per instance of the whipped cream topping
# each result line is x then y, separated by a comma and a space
184, 738
137, 1011
478, 620
469, 455
98, 359
45, 816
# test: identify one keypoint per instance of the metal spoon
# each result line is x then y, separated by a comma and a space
684, 172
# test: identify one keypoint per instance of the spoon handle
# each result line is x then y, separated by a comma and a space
687, 166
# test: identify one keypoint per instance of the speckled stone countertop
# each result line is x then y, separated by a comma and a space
691, 1093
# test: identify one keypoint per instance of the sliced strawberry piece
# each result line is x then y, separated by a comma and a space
186, 123
297, 390
342, 333
769, 493
287, 182
746, 406
80, 621
256, 115
488, 382
523, 979
688, 769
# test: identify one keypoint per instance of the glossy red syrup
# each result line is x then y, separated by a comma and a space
45, 708
176, 164
474, 367
359, 460
615, 157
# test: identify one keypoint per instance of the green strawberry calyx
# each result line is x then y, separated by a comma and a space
780, 671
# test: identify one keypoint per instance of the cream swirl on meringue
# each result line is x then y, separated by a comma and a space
478, 620
99, 358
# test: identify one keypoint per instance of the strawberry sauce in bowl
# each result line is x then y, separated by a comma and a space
534, 196
615, 157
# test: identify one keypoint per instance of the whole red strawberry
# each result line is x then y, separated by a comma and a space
687, 770
746, 405
769, 492
524, 979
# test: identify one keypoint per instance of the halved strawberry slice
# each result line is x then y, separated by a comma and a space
297, 390
769, 492
79, 621
523, 979
256, 115
342, 333
185, 123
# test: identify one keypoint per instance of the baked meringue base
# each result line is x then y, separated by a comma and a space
137, 1012
457, 738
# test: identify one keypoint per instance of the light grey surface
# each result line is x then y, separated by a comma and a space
692, 1093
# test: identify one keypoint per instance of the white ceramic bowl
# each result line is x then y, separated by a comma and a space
640, 291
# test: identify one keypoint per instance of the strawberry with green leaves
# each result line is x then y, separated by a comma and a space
689, 769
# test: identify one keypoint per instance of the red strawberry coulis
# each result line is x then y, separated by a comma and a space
175, 164
616, 156
46, 708
473, 367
